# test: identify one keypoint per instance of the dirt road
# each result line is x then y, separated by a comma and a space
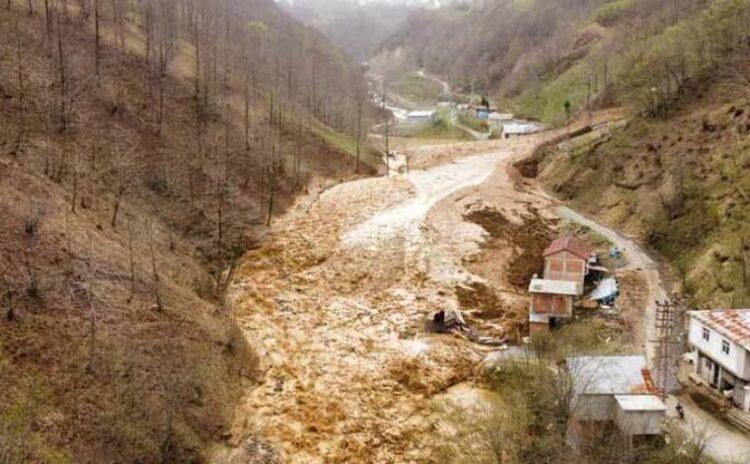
722, 442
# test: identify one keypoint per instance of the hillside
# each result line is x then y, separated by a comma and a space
143, 147
358, 28
678, 183
533, 56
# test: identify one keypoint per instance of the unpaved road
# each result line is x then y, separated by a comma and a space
722, 442
335, 307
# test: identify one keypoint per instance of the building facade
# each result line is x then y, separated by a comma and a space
567, 259
721, 343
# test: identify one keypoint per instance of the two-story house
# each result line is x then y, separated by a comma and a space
566, 258
721, 340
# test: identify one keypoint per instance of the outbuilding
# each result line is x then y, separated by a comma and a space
420, 116
612, 389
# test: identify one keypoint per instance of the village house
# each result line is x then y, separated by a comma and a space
612, 390
420, 116
566, 258
721, 343
551, 300
517, 128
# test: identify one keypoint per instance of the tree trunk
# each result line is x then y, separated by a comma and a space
132, 263
96, 40
116, 208
63, 83
155, 274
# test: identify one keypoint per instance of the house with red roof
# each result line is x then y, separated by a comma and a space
720, 339
567, 259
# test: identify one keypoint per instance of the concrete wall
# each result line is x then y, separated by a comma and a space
595, 408
737, 362
639, 422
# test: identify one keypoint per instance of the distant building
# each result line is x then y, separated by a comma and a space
421, 116
517, 128
721, 340
566, 258
551, 300
500, 117
612, 389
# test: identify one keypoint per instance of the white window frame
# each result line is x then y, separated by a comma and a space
706, 334
725, 347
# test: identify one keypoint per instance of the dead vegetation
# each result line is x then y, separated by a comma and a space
130, 177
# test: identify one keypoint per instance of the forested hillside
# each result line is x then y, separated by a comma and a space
534, 56
143, 147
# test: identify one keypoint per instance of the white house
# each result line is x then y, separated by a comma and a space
721, 340
420, 116
615, 389
517, 128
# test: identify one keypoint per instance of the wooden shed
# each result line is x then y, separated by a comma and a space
566, 258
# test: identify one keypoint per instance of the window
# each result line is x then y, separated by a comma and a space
706, 334
725, 347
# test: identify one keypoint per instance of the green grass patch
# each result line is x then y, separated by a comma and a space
480, 125
417, 88
441, 128
609, 13
347, 144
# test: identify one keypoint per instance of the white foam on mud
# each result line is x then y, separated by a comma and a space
432, 185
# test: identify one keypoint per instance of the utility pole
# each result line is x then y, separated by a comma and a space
669, 332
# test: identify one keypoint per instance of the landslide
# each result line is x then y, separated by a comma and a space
118, 219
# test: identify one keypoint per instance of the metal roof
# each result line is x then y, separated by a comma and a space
568, 243
734, 324
613, 375
521, 127
633, 403
420, 114
606, 288
555, 287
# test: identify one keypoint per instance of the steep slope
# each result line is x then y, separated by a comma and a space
679, 183
533, 56
356, 27
143, 147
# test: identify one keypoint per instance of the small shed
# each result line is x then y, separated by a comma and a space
517, 128
616, 389
566, 258
420, 116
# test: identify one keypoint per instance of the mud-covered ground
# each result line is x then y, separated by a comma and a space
337, 301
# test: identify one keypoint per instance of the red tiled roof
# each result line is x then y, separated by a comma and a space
567, 243
731, 323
